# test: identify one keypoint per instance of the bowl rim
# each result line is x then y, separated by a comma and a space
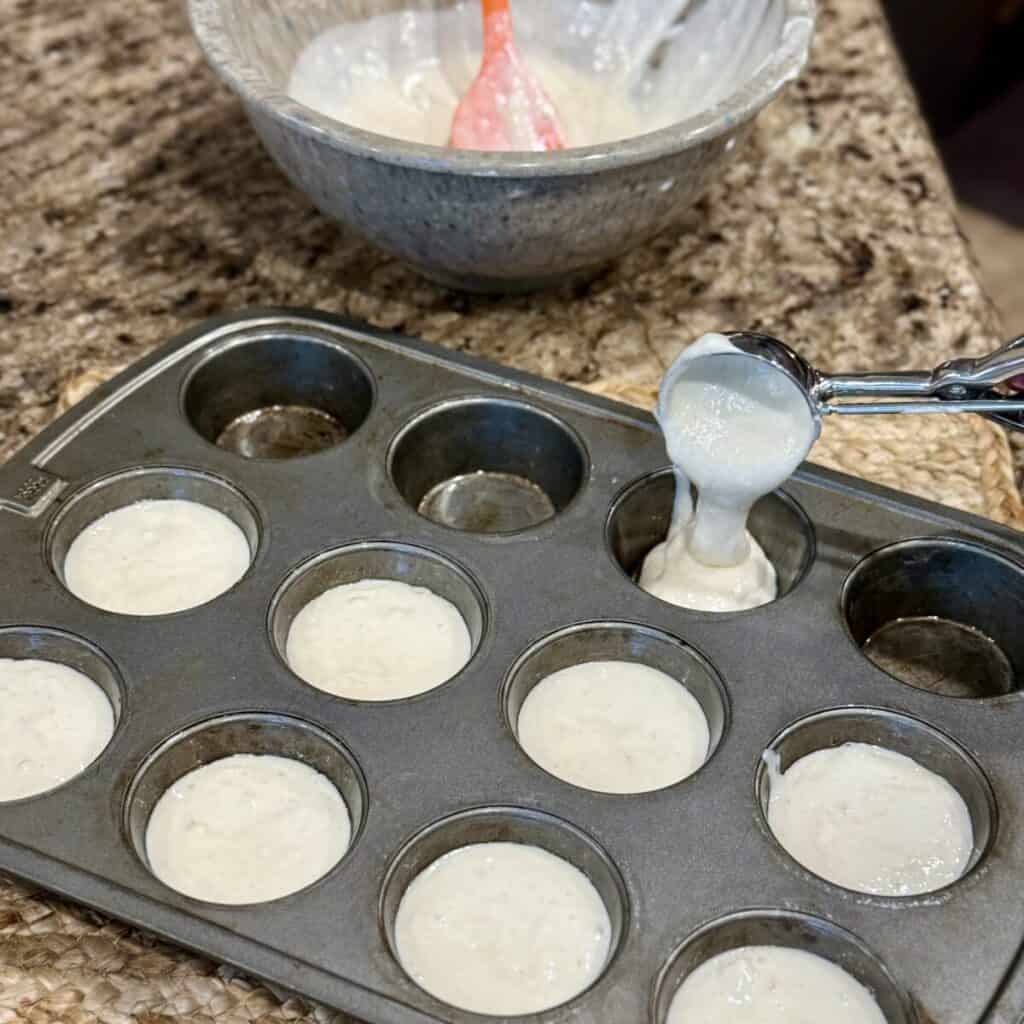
723, 118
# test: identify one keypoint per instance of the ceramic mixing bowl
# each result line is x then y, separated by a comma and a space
510, 221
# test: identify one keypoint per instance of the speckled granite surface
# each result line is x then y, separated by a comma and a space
134, 200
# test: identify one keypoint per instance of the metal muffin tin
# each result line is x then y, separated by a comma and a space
686, 871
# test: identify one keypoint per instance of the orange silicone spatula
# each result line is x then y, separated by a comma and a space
506, 107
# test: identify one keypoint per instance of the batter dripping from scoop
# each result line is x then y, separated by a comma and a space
735, 429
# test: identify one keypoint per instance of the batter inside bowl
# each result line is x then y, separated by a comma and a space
390, 74
402, 73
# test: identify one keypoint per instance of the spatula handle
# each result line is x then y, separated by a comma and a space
497, 24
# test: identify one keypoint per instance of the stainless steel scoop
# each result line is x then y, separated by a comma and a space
959, 385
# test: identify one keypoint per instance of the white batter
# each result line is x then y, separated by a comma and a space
155, 557
502, 928
402, 74
614, 726
870, 819
54, 722
772, 985
735, 429
247, 828
671, 572
378, 640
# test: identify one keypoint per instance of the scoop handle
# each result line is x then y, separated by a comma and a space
921, 407
997, 367
955, 381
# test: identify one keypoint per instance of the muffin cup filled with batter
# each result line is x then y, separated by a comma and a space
246, 808
641, 515
503, 911
377, 621
876, 802
615, 707
153, 541
777, 967
60, 698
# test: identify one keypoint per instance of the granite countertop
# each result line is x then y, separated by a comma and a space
135, 200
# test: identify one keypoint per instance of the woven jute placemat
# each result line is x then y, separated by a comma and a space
62, 963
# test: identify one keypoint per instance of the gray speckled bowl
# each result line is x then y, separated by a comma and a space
486, 222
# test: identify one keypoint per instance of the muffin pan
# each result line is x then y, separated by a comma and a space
343, 452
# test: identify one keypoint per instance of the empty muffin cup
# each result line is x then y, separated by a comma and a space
487, 465
278, 395
940, 614
902, 735
651, 711
207, 834
60, 700
641, 515
790, 930
562, 916
153, 540
377, 621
